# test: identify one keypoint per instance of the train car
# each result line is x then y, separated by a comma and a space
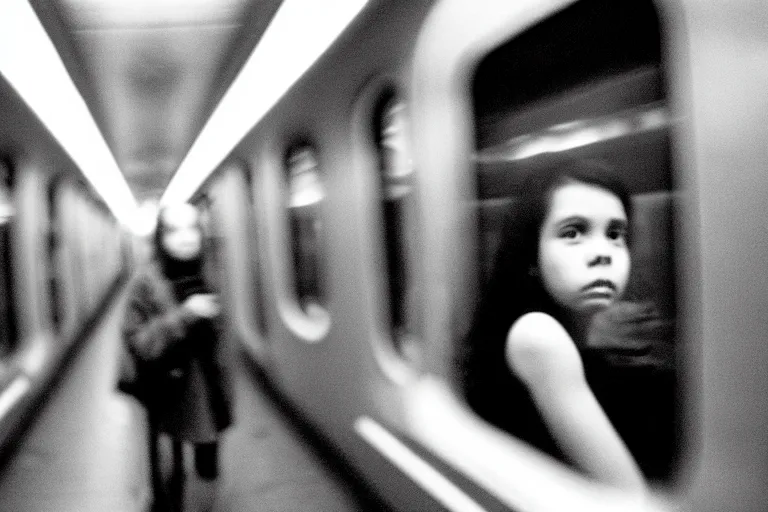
357, 222
63, 253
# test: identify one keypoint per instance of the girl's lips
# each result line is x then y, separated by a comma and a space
600, 285
599, 293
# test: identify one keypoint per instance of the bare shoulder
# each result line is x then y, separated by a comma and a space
539, 349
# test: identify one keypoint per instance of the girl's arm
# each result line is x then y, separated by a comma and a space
148, 333
542, 355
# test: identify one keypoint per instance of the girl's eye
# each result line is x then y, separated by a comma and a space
617, 233
571, 232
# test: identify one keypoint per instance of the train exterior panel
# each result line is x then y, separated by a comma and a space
62, 258
354, 226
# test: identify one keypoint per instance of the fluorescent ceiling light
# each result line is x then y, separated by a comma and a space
575, 134
299, 33
127, 13
30, 63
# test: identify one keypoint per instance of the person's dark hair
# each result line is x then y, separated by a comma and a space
515, 286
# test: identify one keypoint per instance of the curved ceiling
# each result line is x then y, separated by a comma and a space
152, 71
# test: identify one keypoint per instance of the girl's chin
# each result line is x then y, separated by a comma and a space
596, 304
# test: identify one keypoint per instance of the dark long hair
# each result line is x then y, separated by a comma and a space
515, 286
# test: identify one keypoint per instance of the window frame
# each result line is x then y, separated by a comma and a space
307, 327
443, 126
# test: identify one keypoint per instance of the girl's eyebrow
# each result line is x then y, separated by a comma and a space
571, 219
621, 223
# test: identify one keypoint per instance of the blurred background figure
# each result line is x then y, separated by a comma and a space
171, 324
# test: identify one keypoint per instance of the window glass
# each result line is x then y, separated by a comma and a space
8, 325
567, 114
79, 266
255, 260
305, 196
52, 253
397, 196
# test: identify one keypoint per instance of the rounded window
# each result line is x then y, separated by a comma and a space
304, 200
8, 323
52, 250
396, 173
573, 154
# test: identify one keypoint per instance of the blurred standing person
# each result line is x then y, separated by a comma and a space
171, 325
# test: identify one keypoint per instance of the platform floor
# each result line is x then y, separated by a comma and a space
87, 450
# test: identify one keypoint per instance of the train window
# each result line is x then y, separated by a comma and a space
397, 197
566, 114
305, 196
79, 267
54, 229
255, 260
8, 323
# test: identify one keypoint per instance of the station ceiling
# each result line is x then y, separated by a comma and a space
152, 71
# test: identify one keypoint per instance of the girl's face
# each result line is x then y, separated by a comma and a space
182, 238
583, 254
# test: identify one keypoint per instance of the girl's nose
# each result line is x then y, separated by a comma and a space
599, 259
601, 250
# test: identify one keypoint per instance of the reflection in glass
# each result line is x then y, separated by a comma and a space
305, 195
52, 252
7, 215
552, 104
570, 135
397, 186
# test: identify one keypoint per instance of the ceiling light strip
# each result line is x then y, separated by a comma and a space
299, 33
30, 63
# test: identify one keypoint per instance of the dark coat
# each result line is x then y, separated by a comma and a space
193, 398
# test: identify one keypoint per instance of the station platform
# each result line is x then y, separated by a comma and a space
87, 450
